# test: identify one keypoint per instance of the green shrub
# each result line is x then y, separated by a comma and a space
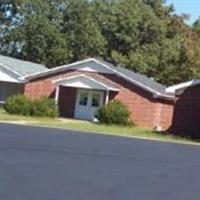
114, 113
20, 105
44, 108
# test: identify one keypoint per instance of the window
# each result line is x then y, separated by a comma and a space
83, 99
96, 100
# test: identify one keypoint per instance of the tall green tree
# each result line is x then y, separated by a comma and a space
82, 30
43, 43
142, 35
195, 61
196, 26
37, 36
139, 37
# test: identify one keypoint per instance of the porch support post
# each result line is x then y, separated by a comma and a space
57, 94
107, 97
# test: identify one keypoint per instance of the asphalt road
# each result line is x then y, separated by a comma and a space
50, 164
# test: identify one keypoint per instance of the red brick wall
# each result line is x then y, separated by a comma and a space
42, 86
186, 119
141, 105
145, 110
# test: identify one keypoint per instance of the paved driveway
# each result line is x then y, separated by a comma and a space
50, 164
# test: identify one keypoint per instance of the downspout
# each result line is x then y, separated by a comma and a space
159, 126
57, 95
107, 97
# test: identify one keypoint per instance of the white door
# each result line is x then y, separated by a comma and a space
87, 103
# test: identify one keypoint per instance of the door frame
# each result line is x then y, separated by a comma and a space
89, 110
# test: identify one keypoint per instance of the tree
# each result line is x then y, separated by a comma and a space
43, 43
37, 37
196, 26
195, 60
139, 37
82, 31
142, 35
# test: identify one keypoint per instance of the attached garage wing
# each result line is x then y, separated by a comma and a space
9, 89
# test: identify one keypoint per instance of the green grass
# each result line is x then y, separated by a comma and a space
90, 127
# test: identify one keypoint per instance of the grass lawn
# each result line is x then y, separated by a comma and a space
90, 127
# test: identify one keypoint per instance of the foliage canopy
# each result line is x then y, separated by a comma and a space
142, 35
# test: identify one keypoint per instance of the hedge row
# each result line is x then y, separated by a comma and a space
112, 113
21, 105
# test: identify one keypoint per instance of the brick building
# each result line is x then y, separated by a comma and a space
80, 88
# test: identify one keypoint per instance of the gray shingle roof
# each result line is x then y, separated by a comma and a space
134, 77
23, 68
149, 82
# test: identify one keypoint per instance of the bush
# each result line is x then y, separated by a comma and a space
44, 108
114, 113
20, 105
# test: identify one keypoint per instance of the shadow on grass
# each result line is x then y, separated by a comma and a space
179, 136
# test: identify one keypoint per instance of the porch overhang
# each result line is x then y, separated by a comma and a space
85, 82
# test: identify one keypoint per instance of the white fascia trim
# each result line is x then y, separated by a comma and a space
174, 88
169, 97
57, 69
57, 81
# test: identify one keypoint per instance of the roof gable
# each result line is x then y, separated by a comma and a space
84, 81
91, 66
96, 65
